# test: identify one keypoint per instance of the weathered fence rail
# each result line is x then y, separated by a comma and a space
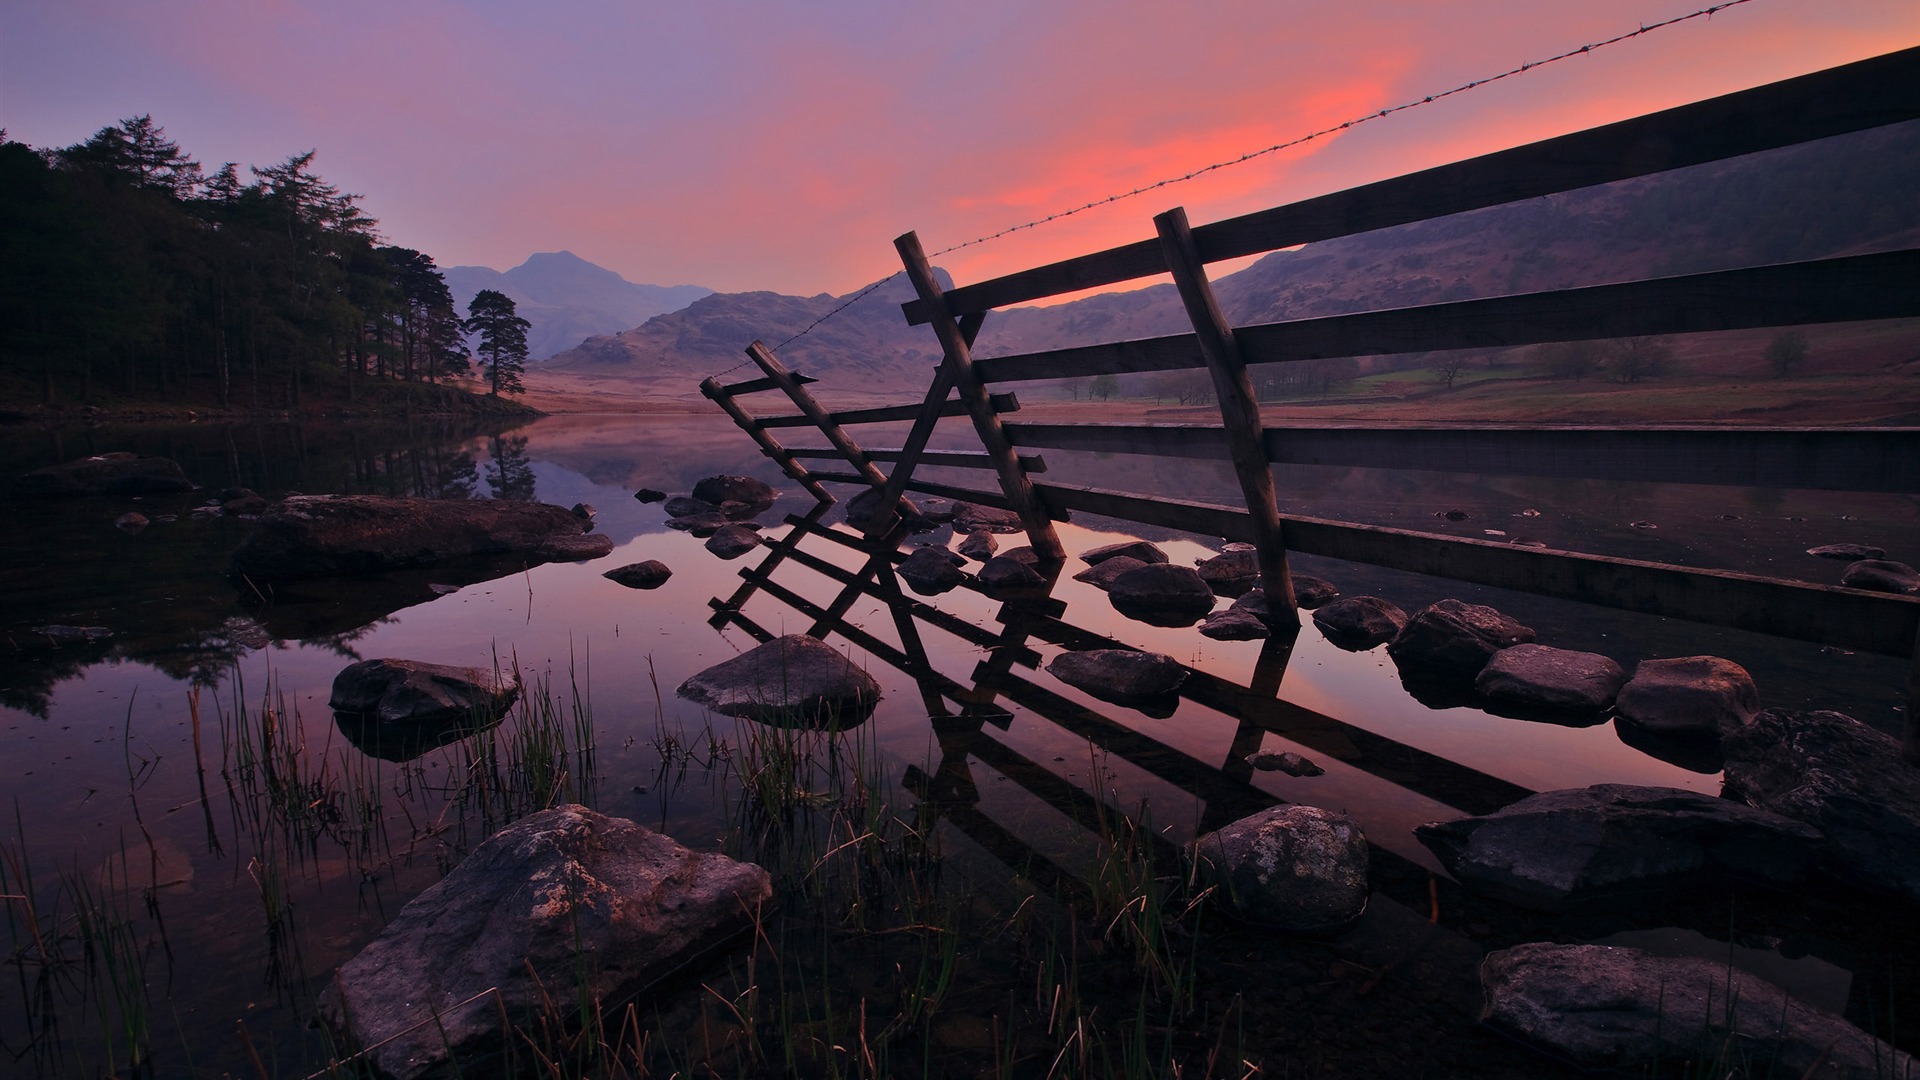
1882, 285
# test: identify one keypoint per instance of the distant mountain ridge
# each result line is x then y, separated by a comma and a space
568, 299
1844, 195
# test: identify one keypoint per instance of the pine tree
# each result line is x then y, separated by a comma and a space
503, 340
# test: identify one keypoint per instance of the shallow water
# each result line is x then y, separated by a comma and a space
259, 905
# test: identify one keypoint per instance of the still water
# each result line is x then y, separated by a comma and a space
140, 773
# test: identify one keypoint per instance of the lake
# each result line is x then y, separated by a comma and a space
196, 844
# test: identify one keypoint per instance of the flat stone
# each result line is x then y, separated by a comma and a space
1119, 675
1161, 594
1688, 697
1541, 678
732, 541
650, 574
324, 535
395, 691
1101, 575
931, 571
794, 679
700, 525
1840, 776
510, 928
580, 547
1454, 639
1142, 550
72, 635
1848, 552
681, 506
1358, 623
117, 473
1608, 1007
972, 518
1298, 868
1881, 575
1614, 844
979, 546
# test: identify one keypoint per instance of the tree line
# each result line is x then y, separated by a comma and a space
127, 268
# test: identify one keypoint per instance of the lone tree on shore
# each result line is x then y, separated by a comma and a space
503, 340
1787, 352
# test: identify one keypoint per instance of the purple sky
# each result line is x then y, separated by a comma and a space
749, 145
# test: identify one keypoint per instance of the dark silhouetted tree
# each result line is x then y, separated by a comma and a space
503, 340
1786, 352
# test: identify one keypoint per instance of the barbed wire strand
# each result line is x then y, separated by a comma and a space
1333, 129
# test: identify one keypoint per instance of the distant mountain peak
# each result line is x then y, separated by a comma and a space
568, 299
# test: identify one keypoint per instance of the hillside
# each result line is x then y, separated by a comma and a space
568, 299
1844, 195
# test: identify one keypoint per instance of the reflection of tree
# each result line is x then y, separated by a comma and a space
510, 473
341, 644
454, 476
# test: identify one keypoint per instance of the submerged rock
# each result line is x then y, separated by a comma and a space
395, 691
1616, 843
1607, 1007
1161, 594
650, 574
562, 906
1841, 776
794, 679
1359, 623
1122, 676
323, 535
118, 473
1293, 867
1692, 697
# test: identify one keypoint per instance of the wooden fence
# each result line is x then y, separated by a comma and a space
1872, 93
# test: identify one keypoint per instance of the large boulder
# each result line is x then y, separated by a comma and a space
1293, 867
738, 496
1538, 679
1122, 676
931, 571
794, 679
564, 906
1616, 843
1833, 772
1161, 594
1607, 1007
118, 473
1454, 639
1689, 697
1359, 623
395, 691
324, 535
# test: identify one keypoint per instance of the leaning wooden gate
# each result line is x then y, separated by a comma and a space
1872, 93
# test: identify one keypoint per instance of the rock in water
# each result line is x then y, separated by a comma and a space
641, 575
1881, 575
971, 518
104, 474
794, 679
578, 547
1122, 676
559, 897
1133, 549
979, 546
860, 508
931, 571
1009, 571
1454, 639
1604, 1007
412, 692
322, 535
732, 541
1359, 623
1312, 592
1293, 867
1233, 571
1103, 574
1234, 624
1841, 776
1161, 594
1614, 843
1688, 697
1848, 552
1530, 678
752, 495
1285, 761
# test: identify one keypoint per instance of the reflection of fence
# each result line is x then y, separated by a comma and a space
1869, 94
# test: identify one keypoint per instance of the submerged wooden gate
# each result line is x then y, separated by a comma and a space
1872, 93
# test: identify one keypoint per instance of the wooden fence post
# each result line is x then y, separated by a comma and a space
957, 365
1239, 409
835, 434
714, 392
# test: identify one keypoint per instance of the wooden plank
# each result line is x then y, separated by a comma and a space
1239, 406
1846, 289
1003, 403
1823, 459
958, 362
932, 407
1870, 93
1825, 614
755, 386
810, 408
769, 446
957, 459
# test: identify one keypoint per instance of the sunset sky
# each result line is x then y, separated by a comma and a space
742, 145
